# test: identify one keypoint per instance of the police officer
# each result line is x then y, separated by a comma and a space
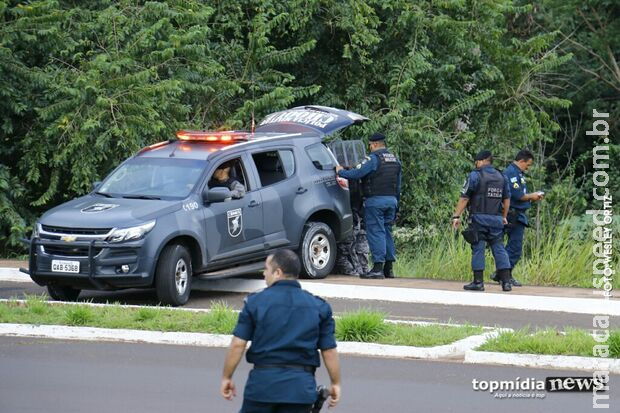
381, 174
520, 202
221, 178
485, 192
287, 327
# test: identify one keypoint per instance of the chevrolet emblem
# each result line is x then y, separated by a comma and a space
68, 238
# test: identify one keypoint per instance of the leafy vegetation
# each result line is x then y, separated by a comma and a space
86, 84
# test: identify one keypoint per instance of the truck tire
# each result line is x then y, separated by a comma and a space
63, 293
317, 250
173, 277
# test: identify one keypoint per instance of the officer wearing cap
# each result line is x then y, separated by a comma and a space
380, 173
520, 202
485, 192
287, 326
221, 178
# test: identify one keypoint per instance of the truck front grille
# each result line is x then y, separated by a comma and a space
69, 251
76, 231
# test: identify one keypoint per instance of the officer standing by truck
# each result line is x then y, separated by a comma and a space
520, 202
381, 177
287, 326
485, 192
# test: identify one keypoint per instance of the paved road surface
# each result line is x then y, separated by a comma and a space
406, 311
65, 377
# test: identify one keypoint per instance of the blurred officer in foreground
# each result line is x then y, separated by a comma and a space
287, 327
380, 173
520, 202
485, 192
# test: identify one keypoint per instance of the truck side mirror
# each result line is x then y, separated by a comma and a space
217, 194
96, 185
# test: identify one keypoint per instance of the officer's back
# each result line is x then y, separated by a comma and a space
287, 326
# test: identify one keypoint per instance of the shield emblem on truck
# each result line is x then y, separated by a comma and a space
235, 222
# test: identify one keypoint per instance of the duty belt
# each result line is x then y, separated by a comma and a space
308, 369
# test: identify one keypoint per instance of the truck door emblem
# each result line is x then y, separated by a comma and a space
98, 208
235, 222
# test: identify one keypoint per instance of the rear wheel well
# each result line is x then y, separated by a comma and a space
192, 246
328, 217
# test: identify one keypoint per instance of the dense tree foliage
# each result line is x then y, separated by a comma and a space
86, 84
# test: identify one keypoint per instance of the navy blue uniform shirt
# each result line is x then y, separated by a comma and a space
368, 166
471, 186
286, 325
518, 188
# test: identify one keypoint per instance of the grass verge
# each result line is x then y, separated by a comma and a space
363, 325
220, 320
572, 342
370, 327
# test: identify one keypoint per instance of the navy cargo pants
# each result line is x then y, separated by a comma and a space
494, 237
380, 213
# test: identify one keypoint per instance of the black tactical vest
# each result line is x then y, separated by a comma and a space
488, 198
384, 180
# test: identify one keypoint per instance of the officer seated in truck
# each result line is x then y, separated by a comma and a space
222, 178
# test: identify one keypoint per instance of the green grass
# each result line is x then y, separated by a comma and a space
556, 258
573, 342
363, 325
370, 327
221, 320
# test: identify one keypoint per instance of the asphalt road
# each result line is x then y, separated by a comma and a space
406, 311
54, 376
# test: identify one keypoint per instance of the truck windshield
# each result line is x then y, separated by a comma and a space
153, 178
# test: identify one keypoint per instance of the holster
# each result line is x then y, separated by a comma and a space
471, 234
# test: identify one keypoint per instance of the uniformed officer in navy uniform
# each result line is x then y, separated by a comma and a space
520, 202
485, 193
380, 174
287, 326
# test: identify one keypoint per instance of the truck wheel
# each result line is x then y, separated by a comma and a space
318, 250
173, 278
63, 293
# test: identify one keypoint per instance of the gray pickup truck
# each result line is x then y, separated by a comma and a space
156, 222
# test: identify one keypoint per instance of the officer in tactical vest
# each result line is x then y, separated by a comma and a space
484, 193
520, 202
380, 174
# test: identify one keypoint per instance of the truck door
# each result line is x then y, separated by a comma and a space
234, 227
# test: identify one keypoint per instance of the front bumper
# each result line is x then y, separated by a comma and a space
100, 268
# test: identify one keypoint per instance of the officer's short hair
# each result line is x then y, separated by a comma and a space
524, 155
287, 261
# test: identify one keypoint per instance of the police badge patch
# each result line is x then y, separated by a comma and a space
235, 222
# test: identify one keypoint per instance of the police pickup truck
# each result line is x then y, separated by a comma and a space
155, 221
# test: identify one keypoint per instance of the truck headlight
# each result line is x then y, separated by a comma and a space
36, 230
132, 233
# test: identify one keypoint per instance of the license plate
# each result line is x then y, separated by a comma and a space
65, 266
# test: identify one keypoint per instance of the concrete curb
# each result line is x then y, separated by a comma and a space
592, 306
456, 349
543, 361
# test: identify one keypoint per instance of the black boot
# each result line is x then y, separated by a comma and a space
495, 277
376, 272
388, 272
504, 279
477, 284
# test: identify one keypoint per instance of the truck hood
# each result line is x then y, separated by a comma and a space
317, 119
91, 211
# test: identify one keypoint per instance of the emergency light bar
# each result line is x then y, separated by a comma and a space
206, 136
